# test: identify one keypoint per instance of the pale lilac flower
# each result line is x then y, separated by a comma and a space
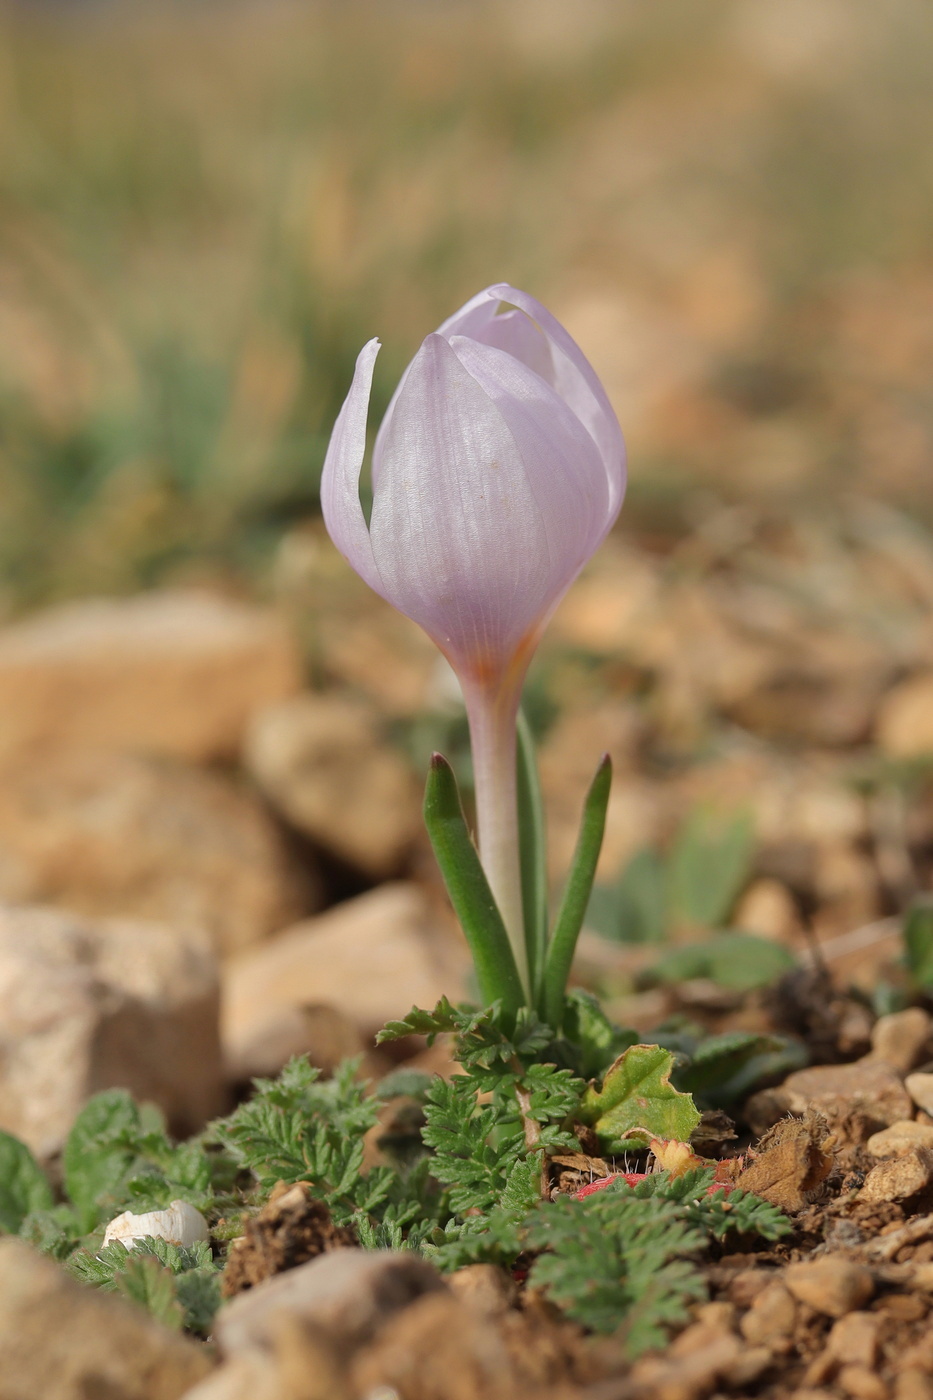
497, 472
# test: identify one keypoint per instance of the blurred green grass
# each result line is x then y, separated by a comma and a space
206, 210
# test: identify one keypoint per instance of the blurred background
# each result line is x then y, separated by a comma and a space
207, 208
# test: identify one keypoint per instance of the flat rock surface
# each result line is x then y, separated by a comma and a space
351, 1292
147, 837
60, 1340
905, 1176
322, 762
93, 1004
864, 1097
374, 956
178, 671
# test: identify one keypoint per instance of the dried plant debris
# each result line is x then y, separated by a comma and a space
789, 1163
291, 1228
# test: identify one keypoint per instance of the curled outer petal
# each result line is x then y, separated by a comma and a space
340, 478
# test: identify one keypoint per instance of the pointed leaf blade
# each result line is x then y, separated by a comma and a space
469, 889
576, 895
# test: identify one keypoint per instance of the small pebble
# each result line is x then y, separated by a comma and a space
772, 1316
900, 1038
920, 1089
900, 1138
899, 1178
913, 1385
749, 1365
861, 1384
746, 1286
853, 1340
832, 1285
906, 1307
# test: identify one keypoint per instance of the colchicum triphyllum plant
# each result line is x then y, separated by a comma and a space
497, 472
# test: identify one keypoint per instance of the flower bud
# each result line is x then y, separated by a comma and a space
497, 472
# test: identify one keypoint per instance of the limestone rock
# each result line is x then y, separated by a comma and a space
177, 672
832, 1284
900, 1138
440, 1347
326, 1034
321, 762
771, 1317
62, 1341
88, 1005
146, 837
920, 1089
867, 1095
300, 1364
373, 956
349, 1292
484, 1288
904, 727
900, 1038
900, 1178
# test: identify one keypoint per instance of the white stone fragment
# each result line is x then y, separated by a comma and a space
179, 1222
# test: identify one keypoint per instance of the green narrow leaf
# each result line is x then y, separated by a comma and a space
634, 909
533, 853
741, 961
708, 866
918, 943
469, 889
576, 895
23, 1187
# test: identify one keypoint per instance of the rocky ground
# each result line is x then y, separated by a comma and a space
211, 859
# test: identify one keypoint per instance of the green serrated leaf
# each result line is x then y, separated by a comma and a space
147, 1282
708, 867
637, 1100
404, 1083
522, 1191
97, 1158
198, 1293
576, 896
444, 1017
472, 899
532, 853
23, 1185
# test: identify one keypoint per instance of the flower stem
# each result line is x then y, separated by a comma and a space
492, 711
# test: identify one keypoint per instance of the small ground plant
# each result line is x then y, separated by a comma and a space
471, 1181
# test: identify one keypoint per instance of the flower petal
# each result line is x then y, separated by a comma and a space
457, 534
563, 466
573, 376
340, 479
